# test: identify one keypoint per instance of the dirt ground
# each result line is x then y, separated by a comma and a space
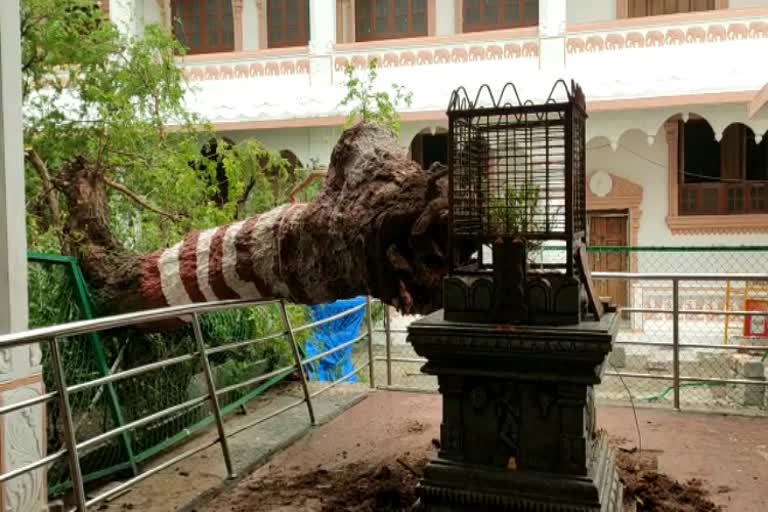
371, 456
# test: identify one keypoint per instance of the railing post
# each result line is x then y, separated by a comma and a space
297, 358
388, 343
369, 321
70, 440
211, 384
676, 341
101, 362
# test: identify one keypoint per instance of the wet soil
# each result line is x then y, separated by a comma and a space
391, 487
648, 490
369, 459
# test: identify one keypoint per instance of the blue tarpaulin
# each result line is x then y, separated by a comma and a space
333, 334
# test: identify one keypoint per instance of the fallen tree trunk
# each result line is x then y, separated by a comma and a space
378, 227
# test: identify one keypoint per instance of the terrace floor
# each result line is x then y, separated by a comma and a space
728, 453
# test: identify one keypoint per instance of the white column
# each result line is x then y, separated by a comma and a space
552, 23
322, 38
23, 435
123, 15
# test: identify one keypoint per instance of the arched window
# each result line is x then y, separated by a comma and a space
427, 148
204, 26
721, 178
287, 23
498, 14
390, 19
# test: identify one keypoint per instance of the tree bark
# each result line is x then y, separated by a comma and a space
379, 227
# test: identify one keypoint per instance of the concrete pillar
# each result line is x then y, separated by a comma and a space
123, 16
552, 22
22, 433
322, 39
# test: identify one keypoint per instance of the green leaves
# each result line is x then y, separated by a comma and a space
370, 104
118, 103
516, 211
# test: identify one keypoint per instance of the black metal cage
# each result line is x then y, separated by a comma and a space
517, 169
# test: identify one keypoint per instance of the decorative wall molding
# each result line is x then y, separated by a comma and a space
431, 17
671, 133
261, 16
718, 224
458, 16
165, 12
622, 9
237, 15
428, 56
35, 355
247, 70
5, 363
22, 435
654, 38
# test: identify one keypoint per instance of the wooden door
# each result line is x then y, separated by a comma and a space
609, 229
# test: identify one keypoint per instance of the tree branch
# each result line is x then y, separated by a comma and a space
138, 199
314, 176
244, 197
48, 189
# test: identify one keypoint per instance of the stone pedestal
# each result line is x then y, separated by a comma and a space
518, 429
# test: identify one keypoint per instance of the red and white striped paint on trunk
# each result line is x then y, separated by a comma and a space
228, 262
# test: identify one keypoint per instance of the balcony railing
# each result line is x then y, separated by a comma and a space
724, 198
72, 448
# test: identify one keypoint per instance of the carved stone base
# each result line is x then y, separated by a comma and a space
449, 486
518, 425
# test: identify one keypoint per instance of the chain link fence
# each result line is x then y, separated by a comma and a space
720, 352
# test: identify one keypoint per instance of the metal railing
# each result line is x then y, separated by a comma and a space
72, 449
676, 377
55, 335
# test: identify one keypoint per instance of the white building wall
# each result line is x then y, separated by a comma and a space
250, 26
122, 14
646, 165
446, 17
150, 12
739, 4
587, 11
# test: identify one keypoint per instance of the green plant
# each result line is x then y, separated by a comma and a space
105, 99
516, 211
368, 103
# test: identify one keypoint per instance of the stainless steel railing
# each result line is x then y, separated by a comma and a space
72, 448
55, 337
675, 344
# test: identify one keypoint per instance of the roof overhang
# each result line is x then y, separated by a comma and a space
755, 101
